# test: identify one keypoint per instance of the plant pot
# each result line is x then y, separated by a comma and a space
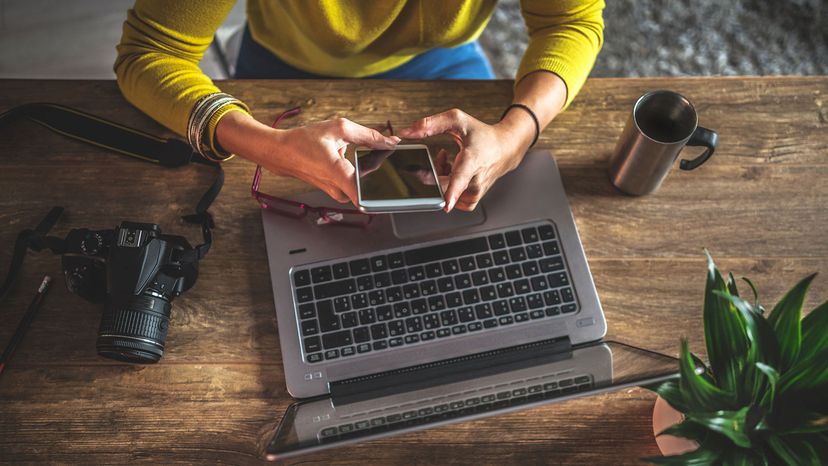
665, 416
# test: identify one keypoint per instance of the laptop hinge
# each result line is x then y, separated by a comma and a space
448, 371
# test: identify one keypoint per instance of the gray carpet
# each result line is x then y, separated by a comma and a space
684, 37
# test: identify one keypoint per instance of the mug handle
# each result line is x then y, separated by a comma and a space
701, 137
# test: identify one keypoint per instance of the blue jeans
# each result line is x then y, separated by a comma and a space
464, 62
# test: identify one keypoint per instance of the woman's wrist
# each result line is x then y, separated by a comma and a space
517, 129
241, 134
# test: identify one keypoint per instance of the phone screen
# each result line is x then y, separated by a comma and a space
396, 174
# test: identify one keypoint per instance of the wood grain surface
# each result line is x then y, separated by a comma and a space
760, 205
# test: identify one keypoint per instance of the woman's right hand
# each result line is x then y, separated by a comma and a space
314, 153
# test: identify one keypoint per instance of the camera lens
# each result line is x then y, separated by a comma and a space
135, 332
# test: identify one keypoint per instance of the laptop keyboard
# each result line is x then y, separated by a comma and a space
419, 294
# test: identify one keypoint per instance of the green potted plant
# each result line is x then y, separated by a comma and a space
763, 399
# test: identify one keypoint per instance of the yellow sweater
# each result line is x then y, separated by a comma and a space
163, 41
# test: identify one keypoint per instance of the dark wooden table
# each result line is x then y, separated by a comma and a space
760, 205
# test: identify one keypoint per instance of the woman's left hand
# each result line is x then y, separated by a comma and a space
487, 152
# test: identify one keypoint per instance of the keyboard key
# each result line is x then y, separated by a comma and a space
363, 348
304, 295
448, 318
379, 331
349, 320
484, 261
513, 238
550, 248
396, 328
365, 283
446, 251
505, 320
445, 284
496, 241
475, 326
337, 339
466, 314
332, 354
359, 267
480, 278
402, 310
396, 260
497, 274
517, 254
384, 313
347, 351
321, 274
416, 274
443, 332
471, 297
466, 263
301, 278
458, 330
419, 306
431, 321
522, 317
367, 316
567, 308
522, 286
376, 297
436, 303
361, 334
513, 272
534, 301
539, 283
315, 357
552, 311
517, 304
566, 295
546, 232
393, 294
454, 300
428, 287
379, 263
500, 307
393, 342
533, 251
551, 264
505, 290
501, 257
382, 280
483, 311
340, 270
342, 304
411, 291
399, 276
413, 324
462, 281
312, 344
379, 345
530, 268
310, 327
409, 339
307, 311
488, 293
332, 289
582, 379
490, 323
552, 298
328, 320
556, 280
433, 270
530, 235
450, 267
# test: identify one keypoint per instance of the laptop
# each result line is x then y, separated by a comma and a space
359, 310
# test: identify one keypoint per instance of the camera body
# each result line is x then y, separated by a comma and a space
136, 271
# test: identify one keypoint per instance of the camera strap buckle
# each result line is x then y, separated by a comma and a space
36, 240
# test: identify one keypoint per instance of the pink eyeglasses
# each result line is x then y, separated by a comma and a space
298, 210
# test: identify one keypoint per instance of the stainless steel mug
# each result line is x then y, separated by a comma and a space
661, 124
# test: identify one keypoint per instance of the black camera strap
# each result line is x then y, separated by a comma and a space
100, 132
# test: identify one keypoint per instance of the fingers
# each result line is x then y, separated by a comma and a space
353, 133
461, 175
441, 162
450, 121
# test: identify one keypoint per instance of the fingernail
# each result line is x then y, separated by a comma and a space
451, 204
392, 140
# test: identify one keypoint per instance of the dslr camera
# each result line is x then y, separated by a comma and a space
136, 271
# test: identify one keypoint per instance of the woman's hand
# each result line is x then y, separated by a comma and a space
487, 152
314, 153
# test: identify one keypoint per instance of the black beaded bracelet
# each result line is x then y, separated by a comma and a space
531, 114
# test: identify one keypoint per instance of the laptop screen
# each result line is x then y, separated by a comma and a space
600, 367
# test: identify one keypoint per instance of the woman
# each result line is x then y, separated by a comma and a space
162, 43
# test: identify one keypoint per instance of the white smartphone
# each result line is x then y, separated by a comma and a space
402, 179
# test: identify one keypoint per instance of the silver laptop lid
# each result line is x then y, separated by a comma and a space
532, 378
531, 193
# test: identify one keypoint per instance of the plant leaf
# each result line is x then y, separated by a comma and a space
686, 429
671, 392
755, 293
795, 450
784, 318
732, 424
773, 378
700, 457
723, 332
699, 392
731, 285
814, 333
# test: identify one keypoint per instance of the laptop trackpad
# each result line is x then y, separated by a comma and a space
414, 224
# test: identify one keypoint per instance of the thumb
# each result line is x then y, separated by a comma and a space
354, 133
461, 175
449, 121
